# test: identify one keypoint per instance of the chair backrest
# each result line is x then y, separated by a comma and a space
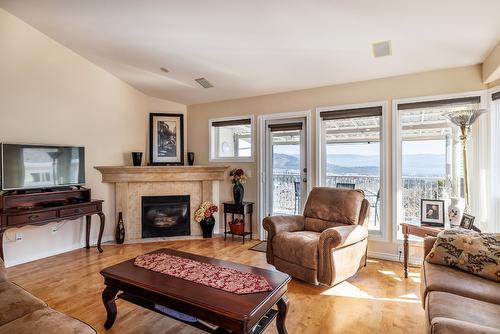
328, 207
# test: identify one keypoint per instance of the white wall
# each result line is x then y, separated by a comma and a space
51, 95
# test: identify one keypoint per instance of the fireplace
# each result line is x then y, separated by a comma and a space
165, 216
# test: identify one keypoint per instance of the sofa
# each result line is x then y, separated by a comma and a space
23, 313
456, 301
328, 243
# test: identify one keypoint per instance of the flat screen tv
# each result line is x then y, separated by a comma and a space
41, 166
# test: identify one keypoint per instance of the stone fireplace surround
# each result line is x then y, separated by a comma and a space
201, 183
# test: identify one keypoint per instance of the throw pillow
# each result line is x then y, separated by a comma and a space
476, 253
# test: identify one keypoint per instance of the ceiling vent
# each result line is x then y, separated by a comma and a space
382, 49
204, 83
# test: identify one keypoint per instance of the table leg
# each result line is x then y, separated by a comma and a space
88, 221
251, 229
108, 298
1, 244
225, 225
282, 312
101, 230
405, 254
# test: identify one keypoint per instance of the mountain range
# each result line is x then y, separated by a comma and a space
430, 165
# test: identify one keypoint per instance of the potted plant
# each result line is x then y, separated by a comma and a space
205, 216
238, 178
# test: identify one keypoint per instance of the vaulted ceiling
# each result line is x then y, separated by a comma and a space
248, 48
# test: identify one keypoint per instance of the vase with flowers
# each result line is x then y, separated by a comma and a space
205, 216
238, 178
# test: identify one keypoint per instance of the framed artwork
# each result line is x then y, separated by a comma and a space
432, 212
467, 221
166, 139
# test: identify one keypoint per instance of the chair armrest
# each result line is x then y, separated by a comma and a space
3, 274
428, 244
276, 224
342, 236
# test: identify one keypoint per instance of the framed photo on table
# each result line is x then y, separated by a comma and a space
432, 212
467, 221
166, 139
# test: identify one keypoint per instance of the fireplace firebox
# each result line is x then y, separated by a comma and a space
165, 216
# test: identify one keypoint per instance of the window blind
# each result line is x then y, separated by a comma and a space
286, 127
495, 96
440, 103
349, 113
244, 121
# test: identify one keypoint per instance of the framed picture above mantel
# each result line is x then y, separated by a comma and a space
166, 139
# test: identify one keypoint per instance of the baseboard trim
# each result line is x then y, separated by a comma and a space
414, 261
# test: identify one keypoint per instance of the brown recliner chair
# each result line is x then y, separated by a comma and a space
328, 243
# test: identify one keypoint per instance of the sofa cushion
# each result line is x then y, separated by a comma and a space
450, 306
300, 248
46, 321
476, 253
15, 302
338, 206
446, 279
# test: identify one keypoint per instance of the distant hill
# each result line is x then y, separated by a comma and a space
353, 164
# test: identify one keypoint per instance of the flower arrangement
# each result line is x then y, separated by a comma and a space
237, 176
206, 209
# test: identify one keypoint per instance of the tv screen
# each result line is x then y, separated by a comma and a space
41, 166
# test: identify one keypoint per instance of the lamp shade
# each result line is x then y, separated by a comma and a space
465, 117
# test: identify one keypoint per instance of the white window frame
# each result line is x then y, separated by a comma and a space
383, 232
396, 147
494, 131
211, 143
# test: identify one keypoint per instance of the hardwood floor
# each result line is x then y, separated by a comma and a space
377, 300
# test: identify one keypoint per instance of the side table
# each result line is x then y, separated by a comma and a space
419, 230
245, 209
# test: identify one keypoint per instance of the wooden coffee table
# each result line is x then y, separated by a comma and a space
250, 313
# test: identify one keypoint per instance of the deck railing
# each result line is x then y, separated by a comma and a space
286, 196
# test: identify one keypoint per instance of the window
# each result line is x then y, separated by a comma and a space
429, 155
231, 139
352, 154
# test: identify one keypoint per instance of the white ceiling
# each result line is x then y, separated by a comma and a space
248, 48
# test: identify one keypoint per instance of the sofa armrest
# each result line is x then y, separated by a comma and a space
428, 244
276, 224
3, 273
342, 236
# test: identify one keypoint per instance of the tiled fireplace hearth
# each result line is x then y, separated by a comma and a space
165, 216
132, 184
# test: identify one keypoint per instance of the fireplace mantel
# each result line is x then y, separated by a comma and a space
201, 183
114, 174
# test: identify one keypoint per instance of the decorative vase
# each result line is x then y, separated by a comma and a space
190, 157
120, 230
455, 211
137, 158
238, 193
207, 226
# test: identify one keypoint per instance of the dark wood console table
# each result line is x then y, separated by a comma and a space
245, 209
18, 210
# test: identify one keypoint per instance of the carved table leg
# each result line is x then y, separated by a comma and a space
282, 312
101, 230
108, 298
1, 244
88, 220
405, 255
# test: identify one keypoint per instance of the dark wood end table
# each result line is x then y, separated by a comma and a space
245, 209
232, 313
417, 229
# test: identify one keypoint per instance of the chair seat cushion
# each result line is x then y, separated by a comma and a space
46, 321
446, 279
300, 248
15, 302
442, 305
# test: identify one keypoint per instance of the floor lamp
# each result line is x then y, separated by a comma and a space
464, 119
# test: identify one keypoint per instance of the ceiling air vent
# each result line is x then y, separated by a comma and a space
382, 49
204, 83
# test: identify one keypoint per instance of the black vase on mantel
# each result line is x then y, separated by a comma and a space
190, 157
238, 193
120, 230
137, 158
207, 226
